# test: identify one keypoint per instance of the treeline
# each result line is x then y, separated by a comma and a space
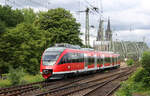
24, 35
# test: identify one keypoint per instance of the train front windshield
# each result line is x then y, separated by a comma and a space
50, 57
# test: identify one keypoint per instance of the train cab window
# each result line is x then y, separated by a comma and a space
50, 57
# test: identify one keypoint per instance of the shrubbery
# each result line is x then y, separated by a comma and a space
124, 91
136, 83
145, 61
15, 76
142, 76
140, 80
130, 62
25, 79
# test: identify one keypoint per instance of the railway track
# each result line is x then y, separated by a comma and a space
79, 88
12, 91
108, 87
54, 87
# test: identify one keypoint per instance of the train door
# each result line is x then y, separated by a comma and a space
103, 60
117, 60
111, 61
95, 61
85, 61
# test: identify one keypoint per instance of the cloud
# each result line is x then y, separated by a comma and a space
124, 14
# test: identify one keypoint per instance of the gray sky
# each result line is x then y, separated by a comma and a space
124, 15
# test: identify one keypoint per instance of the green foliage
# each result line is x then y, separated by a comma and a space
24, 35
33, 78
25, 79
15, 76
5, 83
130, 62
143, 76
61, 25
2, 28
29, 15
22, 47
139, 82
146, 61
124, 91
10, 17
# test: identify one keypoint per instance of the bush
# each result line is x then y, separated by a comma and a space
146, 61
142, 76
130, 62
124, 91
15, 76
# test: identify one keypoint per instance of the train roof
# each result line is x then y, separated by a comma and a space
61, 47
55, 49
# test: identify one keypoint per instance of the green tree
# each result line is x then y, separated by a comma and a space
22, 47
61, 25
2, 28
146, 61
10, 17
29, 15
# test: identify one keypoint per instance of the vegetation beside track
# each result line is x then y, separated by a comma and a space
26, 79
139, 82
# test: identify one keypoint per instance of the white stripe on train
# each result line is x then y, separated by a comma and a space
85, 70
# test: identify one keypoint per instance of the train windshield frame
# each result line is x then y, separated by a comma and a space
50, 57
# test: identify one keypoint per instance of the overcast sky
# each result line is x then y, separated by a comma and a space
130, 19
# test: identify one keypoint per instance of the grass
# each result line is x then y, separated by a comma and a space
31, 78
5, 83
24, 80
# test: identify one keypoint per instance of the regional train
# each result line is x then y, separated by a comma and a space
65, 59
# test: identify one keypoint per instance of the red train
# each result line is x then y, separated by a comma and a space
64, 59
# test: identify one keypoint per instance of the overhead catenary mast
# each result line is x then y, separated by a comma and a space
87, 40
87, 33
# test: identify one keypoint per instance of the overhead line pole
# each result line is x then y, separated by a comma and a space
87, 39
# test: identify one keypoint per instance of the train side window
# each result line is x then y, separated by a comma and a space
81, 57
108, 60
74, 57
92, 60
99, 60
105, 59
65, 59
119, 58
88, 60
113, 60
78, 57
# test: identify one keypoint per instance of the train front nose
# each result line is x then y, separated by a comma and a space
48, 61
47, 73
